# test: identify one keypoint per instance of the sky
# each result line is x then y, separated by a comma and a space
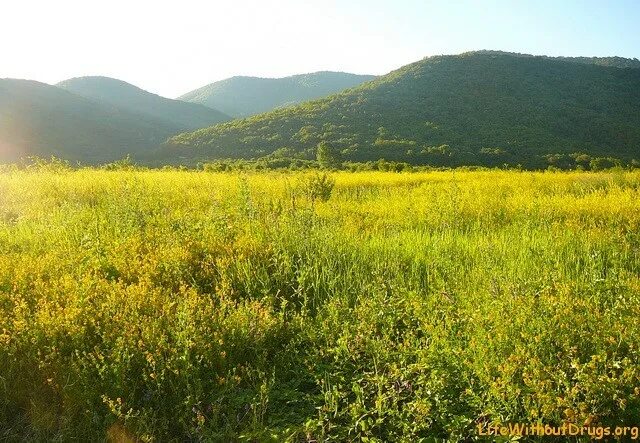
172, 47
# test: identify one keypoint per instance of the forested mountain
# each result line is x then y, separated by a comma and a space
613, 62
131, 98
40, 119
485, 108
245, 96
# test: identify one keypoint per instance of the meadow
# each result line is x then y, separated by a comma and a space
166, 305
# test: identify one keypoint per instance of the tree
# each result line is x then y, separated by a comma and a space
601, 163
328, 156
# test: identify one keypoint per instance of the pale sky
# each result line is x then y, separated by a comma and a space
172, 47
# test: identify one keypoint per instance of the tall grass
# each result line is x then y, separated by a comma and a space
176, 305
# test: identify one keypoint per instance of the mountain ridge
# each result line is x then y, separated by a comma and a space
609, 61
472, 108
132, 98
44, 120
243, 96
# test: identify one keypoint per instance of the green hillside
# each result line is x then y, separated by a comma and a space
40, 119
612, 62
245, 96
131, 98
483, 108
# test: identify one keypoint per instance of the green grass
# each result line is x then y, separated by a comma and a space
176, 305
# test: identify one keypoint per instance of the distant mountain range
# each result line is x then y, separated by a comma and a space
90, 119
40, 119
99, 119
246, 96
131, 98
481, 108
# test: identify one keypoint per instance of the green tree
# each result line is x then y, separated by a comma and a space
601, 163
328, 156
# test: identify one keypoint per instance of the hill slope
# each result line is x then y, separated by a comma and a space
40, 119
475, 108
612, 62
245, 96
131, 98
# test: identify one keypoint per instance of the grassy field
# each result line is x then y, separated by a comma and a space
189, 306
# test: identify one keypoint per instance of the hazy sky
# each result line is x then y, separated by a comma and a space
171, 47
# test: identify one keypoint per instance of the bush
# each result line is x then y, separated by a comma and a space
319, 187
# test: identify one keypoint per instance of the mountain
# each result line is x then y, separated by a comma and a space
40, 119
131, 98
246, 96
480, 108
612, 62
